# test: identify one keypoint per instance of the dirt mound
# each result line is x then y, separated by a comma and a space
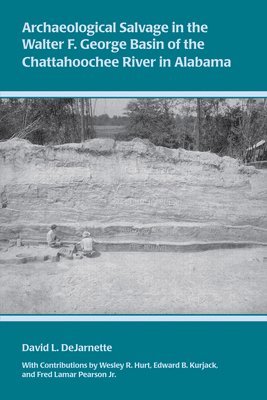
15, 149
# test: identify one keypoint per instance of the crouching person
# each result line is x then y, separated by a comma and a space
52, 239
86, 245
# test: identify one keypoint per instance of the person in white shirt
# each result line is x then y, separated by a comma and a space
87, 245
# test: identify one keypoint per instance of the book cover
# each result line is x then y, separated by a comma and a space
133, 232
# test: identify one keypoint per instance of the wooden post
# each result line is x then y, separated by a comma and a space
82, 119
198, 131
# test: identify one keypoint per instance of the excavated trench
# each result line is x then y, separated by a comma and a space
131, 196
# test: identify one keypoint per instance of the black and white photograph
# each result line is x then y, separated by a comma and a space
133, 205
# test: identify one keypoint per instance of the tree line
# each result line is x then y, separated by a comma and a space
222, 126
217, 125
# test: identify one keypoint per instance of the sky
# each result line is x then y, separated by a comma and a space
110, 106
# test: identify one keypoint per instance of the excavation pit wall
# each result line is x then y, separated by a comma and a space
129, 191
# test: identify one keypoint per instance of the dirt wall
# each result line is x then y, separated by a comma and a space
103, 182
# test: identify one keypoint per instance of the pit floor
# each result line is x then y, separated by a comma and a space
210, 282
